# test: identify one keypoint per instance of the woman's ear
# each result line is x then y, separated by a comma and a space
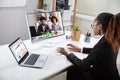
99, 27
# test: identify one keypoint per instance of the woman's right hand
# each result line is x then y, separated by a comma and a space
74, 48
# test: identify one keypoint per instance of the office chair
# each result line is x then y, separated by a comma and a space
33, 31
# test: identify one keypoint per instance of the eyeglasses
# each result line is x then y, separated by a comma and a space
93, 25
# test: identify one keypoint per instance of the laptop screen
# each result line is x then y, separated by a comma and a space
18, 49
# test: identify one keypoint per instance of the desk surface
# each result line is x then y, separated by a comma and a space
10, 70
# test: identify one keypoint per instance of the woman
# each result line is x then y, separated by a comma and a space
55, 25
101, 61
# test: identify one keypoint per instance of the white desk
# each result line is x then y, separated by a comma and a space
10, 70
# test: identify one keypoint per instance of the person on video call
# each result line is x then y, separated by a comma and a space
43, 28
55, 25
100, 64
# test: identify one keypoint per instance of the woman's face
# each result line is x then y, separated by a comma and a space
54, 20
96, 28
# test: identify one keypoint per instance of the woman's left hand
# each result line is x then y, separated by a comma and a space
62, 50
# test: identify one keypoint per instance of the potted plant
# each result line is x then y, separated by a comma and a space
75, 34
45, 6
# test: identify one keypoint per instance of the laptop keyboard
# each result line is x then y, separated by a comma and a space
32, 59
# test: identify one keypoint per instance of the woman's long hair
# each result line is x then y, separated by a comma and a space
113, 32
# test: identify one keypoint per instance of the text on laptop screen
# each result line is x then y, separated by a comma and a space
44, 25
18, 49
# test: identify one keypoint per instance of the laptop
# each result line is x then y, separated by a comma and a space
24, 58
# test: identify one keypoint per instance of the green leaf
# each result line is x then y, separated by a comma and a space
77, 27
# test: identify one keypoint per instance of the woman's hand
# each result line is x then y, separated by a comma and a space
62, 50
74, 48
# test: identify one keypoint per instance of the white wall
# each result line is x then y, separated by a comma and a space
89, 9
94, 7
13, 23
114, 6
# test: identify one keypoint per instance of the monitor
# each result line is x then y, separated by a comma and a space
44, 25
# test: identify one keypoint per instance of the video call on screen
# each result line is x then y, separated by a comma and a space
45, 24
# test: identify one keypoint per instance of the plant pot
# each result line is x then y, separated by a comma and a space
75, 35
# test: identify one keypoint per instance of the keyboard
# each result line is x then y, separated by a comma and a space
32, 59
